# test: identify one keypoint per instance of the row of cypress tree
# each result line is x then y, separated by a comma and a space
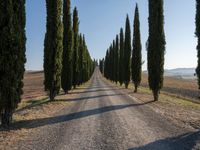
12, 56
67, 62
117, 65
121, 66
61, 53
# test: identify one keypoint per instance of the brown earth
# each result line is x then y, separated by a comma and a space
33, 85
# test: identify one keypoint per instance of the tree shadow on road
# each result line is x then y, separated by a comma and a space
182, 142
28, 124
87, 98
94, 90
95, 87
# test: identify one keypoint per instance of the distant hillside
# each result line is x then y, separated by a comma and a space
34, 72
184, 73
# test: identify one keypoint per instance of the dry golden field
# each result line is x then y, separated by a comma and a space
185, 88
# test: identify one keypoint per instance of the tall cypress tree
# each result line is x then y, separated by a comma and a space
76, 46
121, 59
156, 46
84, 78
136, 53
53, 48
127, 53
12, 56
67, 48
197, 33
80, 60
117, 59
113, 61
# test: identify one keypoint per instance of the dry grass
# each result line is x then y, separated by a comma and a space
183, 88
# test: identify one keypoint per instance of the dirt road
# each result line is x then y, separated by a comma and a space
104, 117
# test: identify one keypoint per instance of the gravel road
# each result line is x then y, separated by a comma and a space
103, 117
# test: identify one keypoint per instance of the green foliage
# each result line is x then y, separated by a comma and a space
121, 58
80, 60
156, 46
76, 47
67, 70
136, 66
197, 33
127, 53
12, 56
101, 66
116, 60
53, 48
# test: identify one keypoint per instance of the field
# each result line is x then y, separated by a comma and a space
33, 85
183, 88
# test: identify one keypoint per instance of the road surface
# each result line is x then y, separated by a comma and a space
104, 117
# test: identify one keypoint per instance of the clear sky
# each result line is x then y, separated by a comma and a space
100, 21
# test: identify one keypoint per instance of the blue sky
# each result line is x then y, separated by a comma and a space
100, 21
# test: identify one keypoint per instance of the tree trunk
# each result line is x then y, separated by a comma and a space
6, 117
126, 85
155, 95
66, 92
136, 87
52, 95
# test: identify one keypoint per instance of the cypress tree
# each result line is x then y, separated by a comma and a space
114, 70
197, 33
76, 46
101, 65
80, 60
67, 48
117, 59
121, 59
136, 53
53, 48
84, 78
12, 56
127, 53
106, 65
156, 46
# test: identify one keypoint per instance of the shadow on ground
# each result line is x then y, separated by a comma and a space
182, 142
87, 98
96, 90
34, 103
28, 124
